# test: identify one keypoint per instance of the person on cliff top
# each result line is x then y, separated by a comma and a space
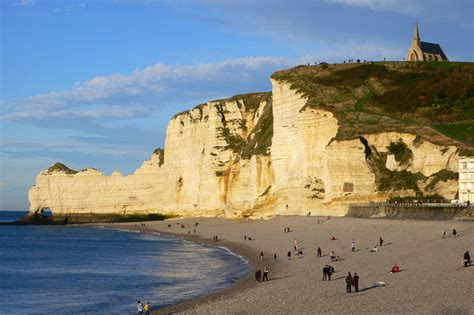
380, 241
348, 283
265, 273
455, 233
320, 252
355, 282
261, 256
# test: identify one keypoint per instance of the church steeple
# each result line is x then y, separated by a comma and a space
416, 35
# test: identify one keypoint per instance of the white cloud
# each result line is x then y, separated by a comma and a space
411, 7
25, 3
120, 96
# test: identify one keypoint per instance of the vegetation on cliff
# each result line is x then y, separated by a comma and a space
401, 152
389, 96
161, 155
60, 167
259, 139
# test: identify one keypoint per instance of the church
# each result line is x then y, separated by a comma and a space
423, 51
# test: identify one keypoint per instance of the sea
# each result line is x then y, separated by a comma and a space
101, 270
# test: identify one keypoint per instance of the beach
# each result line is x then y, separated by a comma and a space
432, 278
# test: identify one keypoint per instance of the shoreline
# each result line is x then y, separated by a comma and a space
249, 254
432, 278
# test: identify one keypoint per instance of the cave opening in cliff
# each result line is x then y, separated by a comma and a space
367, 149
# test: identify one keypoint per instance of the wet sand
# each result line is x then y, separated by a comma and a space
432, 279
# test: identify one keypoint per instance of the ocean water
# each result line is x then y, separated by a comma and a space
82, 270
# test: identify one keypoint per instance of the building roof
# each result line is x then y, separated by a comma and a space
431, 48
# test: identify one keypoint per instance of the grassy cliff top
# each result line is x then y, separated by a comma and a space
60, 167
426, 98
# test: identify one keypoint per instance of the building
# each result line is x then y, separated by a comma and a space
466, 179
423, 51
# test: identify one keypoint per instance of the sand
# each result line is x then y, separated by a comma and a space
432, 279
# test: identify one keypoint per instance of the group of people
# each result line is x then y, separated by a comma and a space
327, 272
247, 238
352, 281
143, 308
443, 233
215, 238
287, 230
258, 275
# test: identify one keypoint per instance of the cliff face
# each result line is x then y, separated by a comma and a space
259, 155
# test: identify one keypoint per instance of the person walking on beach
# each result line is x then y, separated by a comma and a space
443, 234
320, 252
139, 308
258, 275
275, 257
466, 259
146, 308
355, 282
349, 283
261, 256
330, 272
455, 233
265, 273
325, 272
289, 255
353, 246
380, 241
296, 245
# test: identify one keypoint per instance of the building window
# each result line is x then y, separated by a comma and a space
464, 165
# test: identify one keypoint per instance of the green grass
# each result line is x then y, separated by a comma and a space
462, 131
60, 167
401, 94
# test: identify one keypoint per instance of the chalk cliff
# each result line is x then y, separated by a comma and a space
260, 155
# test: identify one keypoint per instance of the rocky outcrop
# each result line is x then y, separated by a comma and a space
258, 155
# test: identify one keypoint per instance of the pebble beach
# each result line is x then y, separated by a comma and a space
432, 279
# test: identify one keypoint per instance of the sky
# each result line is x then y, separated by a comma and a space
94, 83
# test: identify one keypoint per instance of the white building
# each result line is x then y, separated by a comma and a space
466, 179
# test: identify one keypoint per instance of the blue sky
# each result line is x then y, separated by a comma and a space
94, 83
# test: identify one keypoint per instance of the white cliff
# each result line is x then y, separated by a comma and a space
256, 155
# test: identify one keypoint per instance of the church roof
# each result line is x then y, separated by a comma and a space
431, 48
